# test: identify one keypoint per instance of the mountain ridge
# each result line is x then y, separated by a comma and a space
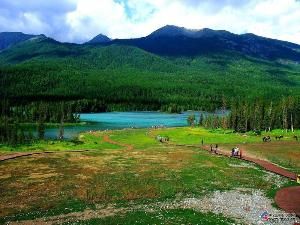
177, 41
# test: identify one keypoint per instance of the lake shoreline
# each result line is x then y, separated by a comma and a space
119, 121
54, 125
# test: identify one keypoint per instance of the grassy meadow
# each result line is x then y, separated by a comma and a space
130, 178
284, 152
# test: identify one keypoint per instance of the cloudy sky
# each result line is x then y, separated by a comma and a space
80, 20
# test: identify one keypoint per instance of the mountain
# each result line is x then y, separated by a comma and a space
8, 39
173, 66
99, 39
178, 41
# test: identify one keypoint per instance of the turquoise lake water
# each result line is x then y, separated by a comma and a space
120, 120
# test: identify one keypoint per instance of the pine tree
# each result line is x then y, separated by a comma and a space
41, 122
61, 127
201, 118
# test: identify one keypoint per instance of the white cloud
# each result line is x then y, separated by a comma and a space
80, 20
92, 17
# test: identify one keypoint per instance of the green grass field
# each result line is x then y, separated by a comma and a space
285, 152
112, 184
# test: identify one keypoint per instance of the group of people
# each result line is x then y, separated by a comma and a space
157, 126
214, 149
162, 139
236, 152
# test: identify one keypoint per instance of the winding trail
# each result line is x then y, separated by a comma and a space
263, 163
107, 139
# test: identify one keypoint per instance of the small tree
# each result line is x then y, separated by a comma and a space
201, 118
41, 128
41, 120
13, 139
191, 120
30, 136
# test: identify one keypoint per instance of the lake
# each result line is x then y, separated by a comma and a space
120, 120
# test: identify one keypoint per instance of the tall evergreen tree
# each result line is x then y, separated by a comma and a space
61, 127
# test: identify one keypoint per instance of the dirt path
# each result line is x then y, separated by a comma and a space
107, 139
289, 199
24, 154
263, 163
17, 155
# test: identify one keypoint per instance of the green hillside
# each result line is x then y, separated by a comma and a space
123, 76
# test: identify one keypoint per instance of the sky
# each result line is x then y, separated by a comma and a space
80, 20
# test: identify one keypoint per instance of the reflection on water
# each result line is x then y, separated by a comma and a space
120, 120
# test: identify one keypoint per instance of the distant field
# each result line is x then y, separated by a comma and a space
149, 182
189, 135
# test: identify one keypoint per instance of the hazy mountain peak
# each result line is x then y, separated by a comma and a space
100, 38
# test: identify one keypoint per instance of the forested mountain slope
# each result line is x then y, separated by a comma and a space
124, 75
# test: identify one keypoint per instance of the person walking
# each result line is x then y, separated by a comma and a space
232, 152
216, 149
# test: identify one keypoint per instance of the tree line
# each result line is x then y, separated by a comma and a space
19, 119
17, 122
259, 115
